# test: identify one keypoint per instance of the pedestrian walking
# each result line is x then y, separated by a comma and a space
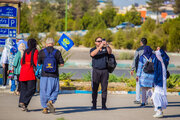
27, 74
145, 72
160, 80
17, 65
100, 72
7, 59
50, 58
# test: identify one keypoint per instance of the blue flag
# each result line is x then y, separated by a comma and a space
65, 42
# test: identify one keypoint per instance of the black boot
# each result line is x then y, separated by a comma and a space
104, 104
94, 106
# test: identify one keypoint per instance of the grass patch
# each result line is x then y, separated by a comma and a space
60, 119
126, 56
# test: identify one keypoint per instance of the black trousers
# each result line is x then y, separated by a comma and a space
99, 76
28, 88
18, 83
5, 70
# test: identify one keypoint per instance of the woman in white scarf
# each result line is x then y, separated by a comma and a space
160, 91
6, 59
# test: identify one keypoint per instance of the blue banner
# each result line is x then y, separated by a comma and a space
5, 22
8, 11
65, 42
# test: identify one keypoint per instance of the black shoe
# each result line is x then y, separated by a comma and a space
104, 108
142, 105
137, 102
93, 108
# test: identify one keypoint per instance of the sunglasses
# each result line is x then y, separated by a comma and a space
98, 41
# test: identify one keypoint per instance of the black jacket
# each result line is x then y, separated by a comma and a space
58, 58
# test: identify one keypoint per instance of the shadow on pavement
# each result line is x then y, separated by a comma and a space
171, 116
65, 110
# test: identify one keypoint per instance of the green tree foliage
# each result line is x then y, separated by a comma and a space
89, 38
59, 8
154, 6
118, 39
174, 37
86, 21
108, 16
133, 16
79, 7
44, 20
25, 16
97, 22
149, 25
118, 19
177, 6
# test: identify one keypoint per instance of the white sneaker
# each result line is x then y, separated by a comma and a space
3, 87
159, 114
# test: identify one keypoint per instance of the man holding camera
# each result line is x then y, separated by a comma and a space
100, 72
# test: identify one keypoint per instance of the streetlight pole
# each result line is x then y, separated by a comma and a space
66, 18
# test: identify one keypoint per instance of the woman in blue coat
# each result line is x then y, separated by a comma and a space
146, 80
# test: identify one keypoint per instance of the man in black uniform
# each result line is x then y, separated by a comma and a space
100, 72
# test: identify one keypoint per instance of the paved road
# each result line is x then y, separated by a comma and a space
119, 72
77, 107
79, 71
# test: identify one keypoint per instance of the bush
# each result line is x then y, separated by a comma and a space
66, 76
126, 56
91, 35
77, 40
173, 81
113, 78
67, 83
87, 76
131, 82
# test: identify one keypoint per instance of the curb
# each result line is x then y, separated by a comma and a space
119, 65
100, 92
109, 92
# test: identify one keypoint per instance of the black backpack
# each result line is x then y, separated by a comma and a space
149, 66
111, 63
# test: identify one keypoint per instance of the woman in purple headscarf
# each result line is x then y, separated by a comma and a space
146, 79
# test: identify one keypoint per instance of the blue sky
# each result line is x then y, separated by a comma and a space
123, 3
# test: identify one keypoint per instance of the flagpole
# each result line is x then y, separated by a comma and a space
66, 18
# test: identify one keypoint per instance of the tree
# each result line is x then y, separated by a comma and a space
108, 16
86, 21
154, 6
59, 8
79, 7
97, 22
44, 20
25, 17
149, 25
174, 37
118, 19
118, 39
133, 16
38, 6
177, 6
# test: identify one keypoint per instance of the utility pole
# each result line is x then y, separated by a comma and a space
66, 17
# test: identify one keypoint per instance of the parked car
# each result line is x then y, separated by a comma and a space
125, 25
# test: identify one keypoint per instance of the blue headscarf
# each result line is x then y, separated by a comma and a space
147, 51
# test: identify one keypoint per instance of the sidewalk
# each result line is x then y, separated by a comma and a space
77, 107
